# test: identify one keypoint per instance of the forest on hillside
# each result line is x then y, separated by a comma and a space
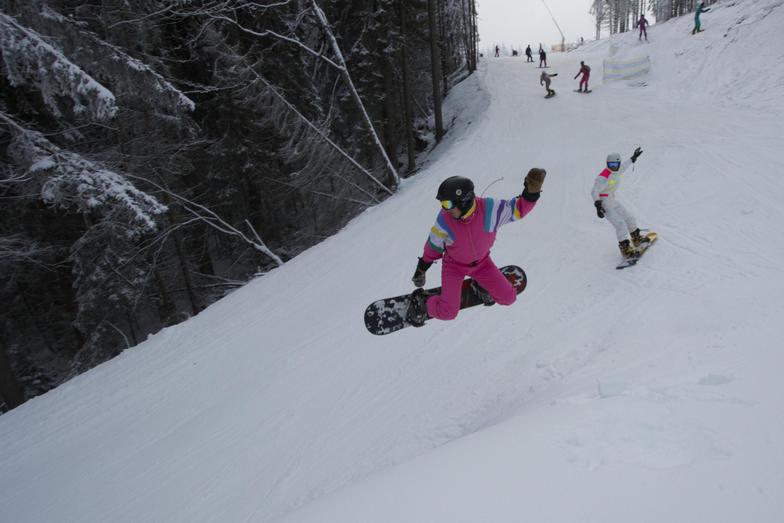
156, 154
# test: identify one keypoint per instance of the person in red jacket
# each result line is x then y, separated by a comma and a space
586, 72
462, 236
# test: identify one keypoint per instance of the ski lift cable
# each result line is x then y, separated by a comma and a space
563, 38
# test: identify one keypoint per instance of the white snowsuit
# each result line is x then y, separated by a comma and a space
604, 188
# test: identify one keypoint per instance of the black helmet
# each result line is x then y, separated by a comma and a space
457, 190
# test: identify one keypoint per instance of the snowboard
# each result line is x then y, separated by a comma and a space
628, 262
389, 315
582, 92
549, 95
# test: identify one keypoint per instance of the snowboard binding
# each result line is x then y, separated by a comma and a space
416, 314
483, 295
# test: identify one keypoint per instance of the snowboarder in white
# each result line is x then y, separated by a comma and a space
607, 206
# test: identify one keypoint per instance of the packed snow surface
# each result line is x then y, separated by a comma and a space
648, 395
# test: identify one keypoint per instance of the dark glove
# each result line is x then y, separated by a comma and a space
599, 208
419, 273
532, 185
636, 154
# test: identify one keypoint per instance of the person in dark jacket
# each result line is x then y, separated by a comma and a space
542, 57
642, 23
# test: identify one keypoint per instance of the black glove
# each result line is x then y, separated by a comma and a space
599, 208
636, 154
419, 273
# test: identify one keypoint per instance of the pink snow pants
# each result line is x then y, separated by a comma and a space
584, 81
446, 305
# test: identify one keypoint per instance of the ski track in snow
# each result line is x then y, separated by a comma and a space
649, 394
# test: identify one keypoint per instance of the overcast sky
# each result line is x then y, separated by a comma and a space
522, 22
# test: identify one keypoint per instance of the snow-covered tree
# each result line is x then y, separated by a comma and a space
157, 154
29, 62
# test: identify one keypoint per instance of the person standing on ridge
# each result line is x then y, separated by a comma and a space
607, 206
497, 51
464, 232
700, 9
643, 24
586, 72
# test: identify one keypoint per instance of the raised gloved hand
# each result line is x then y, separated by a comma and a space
636, 154
419, 273
533, 184
599, 208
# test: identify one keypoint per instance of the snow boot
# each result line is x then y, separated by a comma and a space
627, 251
638, 239
416, 314
487, 300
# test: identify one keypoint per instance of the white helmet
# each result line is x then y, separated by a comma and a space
613, 157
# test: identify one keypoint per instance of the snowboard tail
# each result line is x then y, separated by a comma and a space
389, 315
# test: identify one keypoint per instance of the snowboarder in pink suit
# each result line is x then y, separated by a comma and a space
464, 231
586, 72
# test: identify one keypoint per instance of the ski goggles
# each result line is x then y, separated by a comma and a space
613, 165
448, 204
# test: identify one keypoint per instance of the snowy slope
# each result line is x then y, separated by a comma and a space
651, 394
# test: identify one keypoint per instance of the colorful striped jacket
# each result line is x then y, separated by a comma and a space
607, 181
467, 240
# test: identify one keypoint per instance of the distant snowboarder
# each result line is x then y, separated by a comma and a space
529, 57
642, 23
544, 80
464, 232
586, 72
607, 206
497, 51
700, 9
542, 57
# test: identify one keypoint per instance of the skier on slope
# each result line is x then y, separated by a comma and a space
462, 236
542, 56
586, 72
607, 206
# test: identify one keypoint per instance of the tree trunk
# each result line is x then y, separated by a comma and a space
390, 114
407, 116
474, 35
435, 63
394, 179
10, 389
186, 276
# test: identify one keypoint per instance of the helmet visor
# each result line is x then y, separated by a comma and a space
614, 165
